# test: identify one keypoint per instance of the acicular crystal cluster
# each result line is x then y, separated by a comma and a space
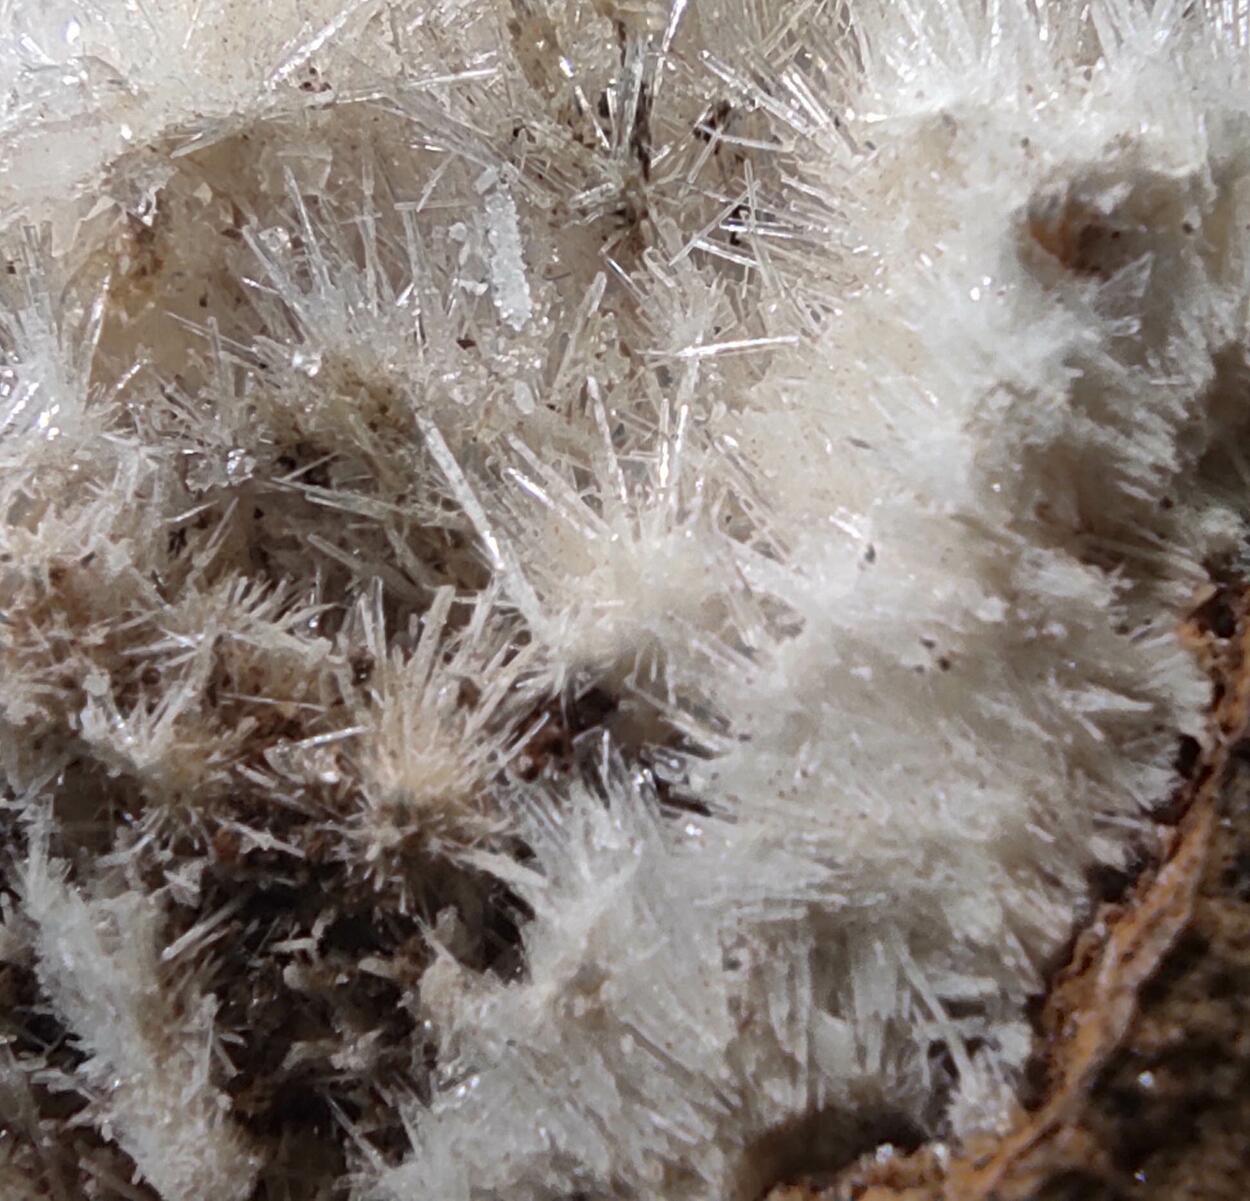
584, 585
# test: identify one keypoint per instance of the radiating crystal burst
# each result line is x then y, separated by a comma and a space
584, 584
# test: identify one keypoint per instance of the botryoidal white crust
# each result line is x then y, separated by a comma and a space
584, 586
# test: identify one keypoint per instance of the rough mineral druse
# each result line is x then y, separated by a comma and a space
584, 584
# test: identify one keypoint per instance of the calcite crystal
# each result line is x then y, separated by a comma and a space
583, 586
